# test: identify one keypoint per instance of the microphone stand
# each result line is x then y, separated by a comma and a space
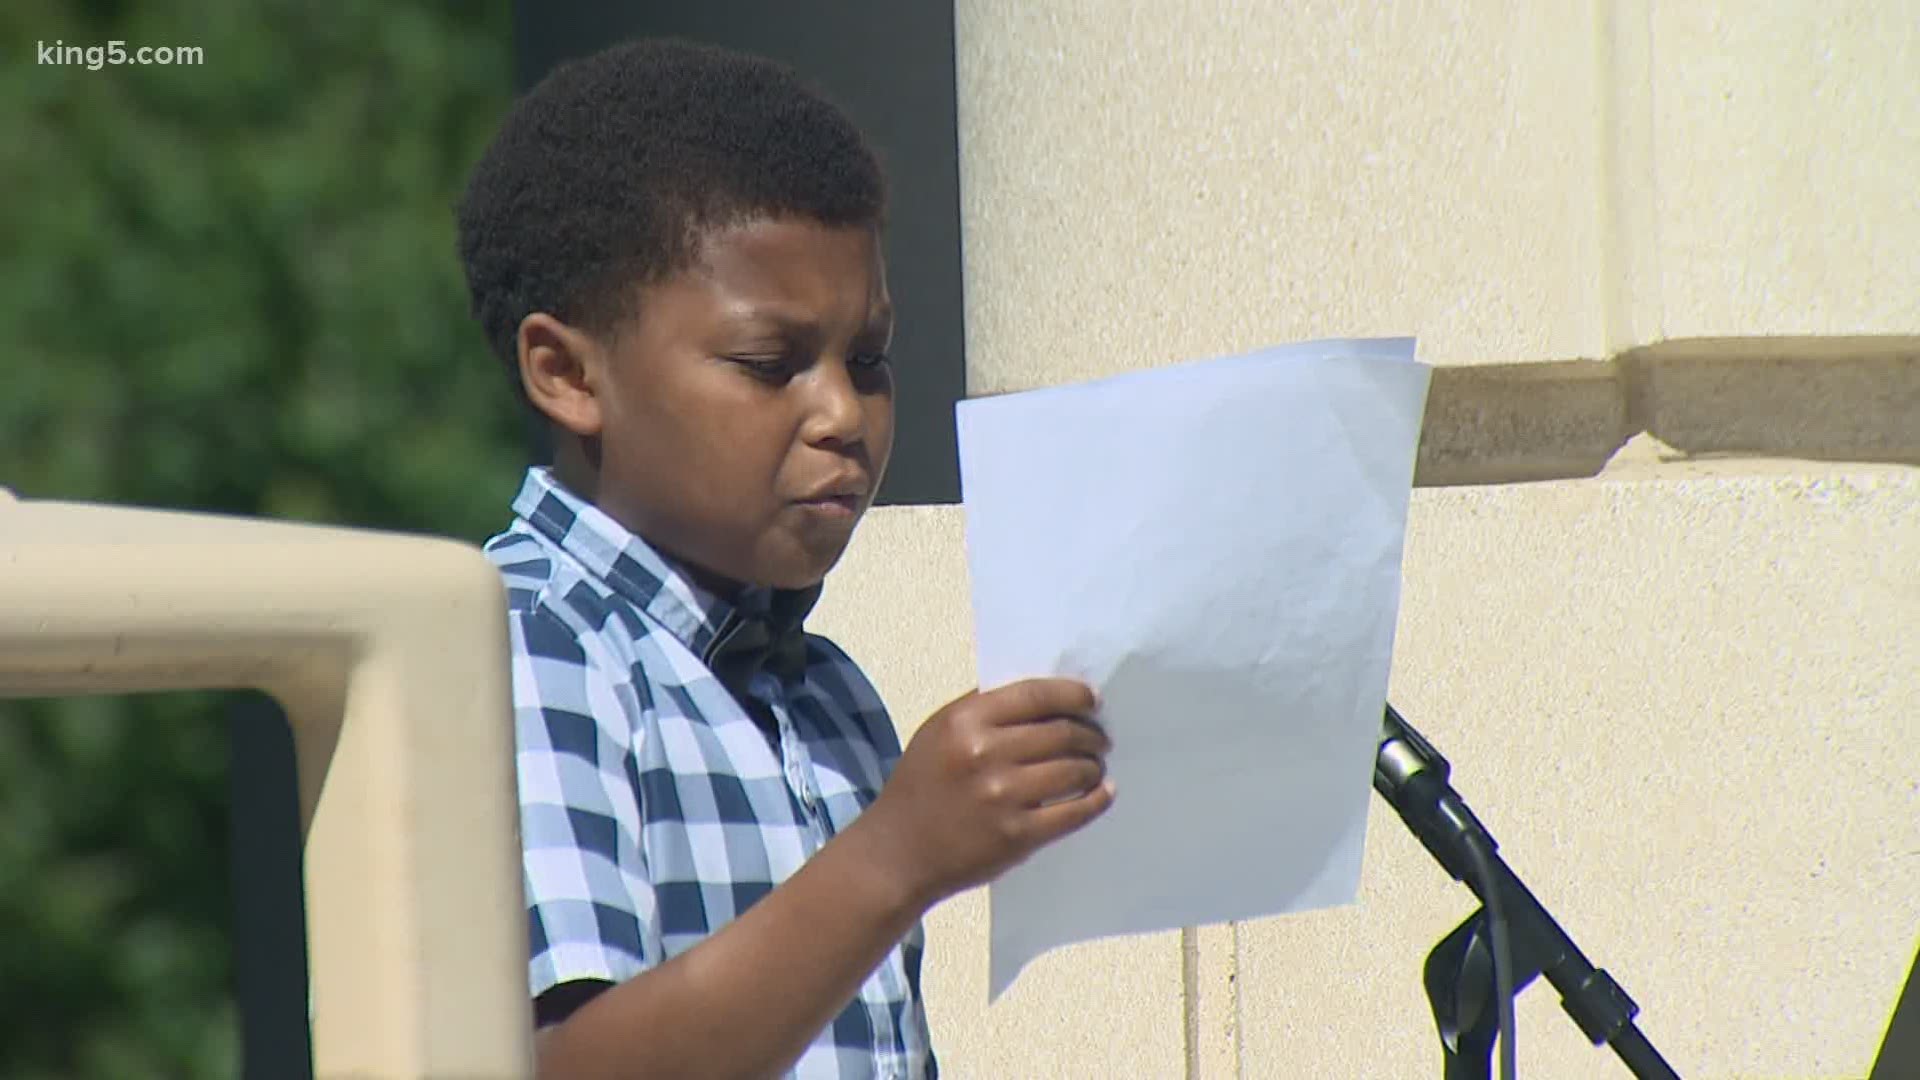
1461, 977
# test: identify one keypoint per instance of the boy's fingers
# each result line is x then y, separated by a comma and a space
1057, 820
1034, 699
1058, 737
1052, 781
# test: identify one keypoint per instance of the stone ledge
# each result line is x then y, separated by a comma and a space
1821, 399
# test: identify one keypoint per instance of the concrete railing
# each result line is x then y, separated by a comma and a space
388, 654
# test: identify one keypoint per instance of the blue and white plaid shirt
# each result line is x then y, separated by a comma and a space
653, 808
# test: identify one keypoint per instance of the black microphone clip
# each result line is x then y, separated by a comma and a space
1413, 776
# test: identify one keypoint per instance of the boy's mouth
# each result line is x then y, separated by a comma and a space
832, 505
846, 489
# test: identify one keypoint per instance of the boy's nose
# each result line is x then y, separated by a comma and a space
834, 414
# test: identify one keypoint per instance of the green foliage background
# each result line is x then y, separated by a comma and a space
226, 287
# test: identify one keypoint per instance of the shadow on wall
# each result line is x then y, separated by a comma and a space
1824, 399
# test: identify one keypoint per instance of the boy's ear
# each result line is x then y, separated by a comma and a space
562, 369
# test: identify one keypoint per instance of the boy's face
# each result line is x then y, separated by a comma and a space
745, 418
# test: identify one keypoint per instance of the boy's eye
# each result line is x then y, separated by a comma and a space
771, 370
780, 370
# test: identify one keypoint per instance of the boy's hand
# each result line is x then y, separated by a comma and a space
986, 781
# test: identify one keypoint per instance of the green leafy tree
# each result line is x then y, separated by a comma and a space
225, 286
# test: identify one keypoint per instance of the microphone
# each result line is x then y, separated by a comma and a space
1524, 940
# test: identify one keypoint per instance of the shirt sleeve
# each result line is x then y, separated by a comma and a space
590, 903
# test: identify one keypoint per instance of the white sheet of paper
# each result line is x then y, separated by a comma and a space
1215, 548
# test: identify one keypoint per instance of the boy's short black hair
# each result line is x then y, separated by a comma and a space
605, 175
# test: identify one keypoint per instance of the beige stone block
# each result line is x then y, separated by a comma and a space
1682, 702
1150, 182
1685, 707
1785, 178
898, 603
1144, 183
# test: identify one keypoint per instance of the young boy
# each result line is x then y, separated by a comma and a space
676, 250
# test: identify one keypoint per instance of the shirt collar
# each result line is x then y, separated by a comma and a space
640, 574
